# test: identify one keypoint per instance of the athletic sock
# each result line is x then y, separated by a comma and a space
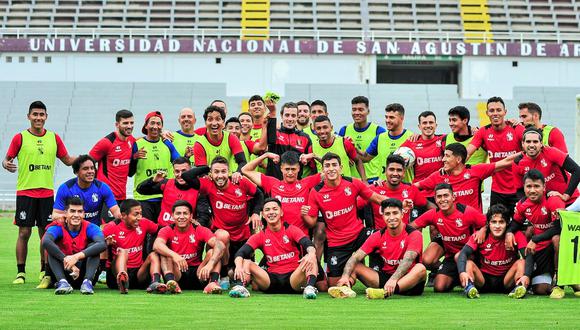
214, 276
21, 268
224, 272
169, 277
156, 277
311, 280
237, 282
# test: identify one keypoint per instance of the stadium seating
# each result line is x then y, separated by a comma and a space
430, 19
83, 112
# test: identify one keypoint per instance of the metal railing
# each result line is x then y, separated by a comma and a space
278, 34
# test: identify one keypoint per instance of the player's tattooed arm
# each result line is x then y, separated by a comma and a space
356, 258
405, 264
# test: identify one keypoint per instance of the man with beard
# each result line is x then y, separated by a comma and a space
555, 165
150, 155
531, 116
362, 132
257, 108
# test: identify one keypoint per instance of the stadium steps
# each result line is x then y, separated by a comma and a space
476, 21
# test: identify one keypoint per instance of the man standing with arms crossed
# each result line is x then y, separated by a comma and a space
36, 149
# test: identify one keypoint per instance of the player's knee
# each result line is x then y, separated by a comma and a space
24, 233
421, 270
556, 240
223, 236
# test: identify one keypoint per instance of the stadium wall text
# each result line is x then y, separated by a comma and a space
322, 47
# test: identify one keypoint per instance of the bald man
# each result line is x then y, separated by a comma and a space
184, 139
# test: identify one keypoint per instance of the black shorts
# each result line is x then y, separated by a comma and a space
338, 255
151, 209
32, 211
449, 267
508, 200
417, 290
133, 279
544, 261
107, 216
189, 279
280, 283
438, 240
494, 284
234, 247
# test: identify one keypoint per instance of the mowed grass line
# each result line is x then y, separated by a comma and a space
26, 307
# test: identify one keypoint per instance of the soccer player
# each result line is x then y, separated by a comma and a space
465, 179
250, 147
287, 138
462, 133
317, 108
216, 142
257, 108
555, 166
335, 198
184, 139
303, 119
150, 155
393, 187
113, 155
73, 249
246, 124
501, 141
540, 211
36, 149
93, 193
491, 267
400, 247
328, 142
181, 247
386, 143
362, 132
217, 103
455, 223
229, 203
531, 116
290, 191
428, 148
126, 237
173, 190
286, 271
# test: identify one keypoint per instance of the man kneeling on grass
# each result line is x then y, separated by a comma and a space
73, 250
400, 247
181, 246
491, 266
285, 272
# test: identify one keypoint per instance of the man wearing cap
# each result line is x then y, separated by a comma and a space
151, 155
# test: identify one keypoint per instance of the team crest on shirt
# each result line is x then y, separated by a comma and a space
440, 221
238, 192
22, 215
527, 169
138, 230
384, 244
95, 197
543, 163
438, 143
285, 239
402, 244
544, 211
459, 222
490, 137
192, 238
466, 176
509, 136
405, 193
299, 143
298, 186
347, 191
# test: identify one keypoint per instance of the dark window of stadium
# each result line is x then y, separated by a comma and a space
515, 64
48, 59
8, 59
218, 60
34, 59
20, 59
119, 60
405, 70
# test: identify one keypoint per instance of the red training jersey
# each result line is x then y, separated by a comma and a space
171, 194
230, 206
131, 239
541, 215
466, 185
455, 228
113, 156
392, 248
494, 258
291, 195
499, 145
280, 248
428, 155
189, 244
338, 208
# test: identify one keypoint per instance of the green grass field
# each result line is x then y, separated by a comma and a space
25, 307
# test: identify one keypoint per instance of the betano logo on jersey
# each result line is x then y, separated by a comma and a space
330, 214
428, 160
39, 167
290, 200
280, 257
225, 206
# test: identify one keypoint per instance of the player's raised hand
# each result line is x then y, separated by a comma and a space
140, 154
159, 176
509, 241
236, 177
9, 165
414, 137
305, 158
274, 157
464, 279
408, 205
167, 135
180, 262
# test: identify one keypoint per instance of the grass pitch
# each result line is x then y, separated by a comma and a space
26, 307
